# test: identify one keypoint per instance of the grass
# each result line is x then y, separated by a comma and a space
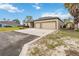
35, 50
10, 29
71, 33
53, 40
63, 33
77, 30
59, 35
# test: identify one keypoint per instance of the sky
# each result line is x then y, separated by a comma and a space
36, 10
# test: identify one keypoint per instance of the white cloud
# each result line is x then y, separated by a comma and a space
37, 6
58, 13
62, 16
10, 8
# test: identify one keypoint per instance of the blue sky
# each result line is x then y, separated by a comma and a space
36, 10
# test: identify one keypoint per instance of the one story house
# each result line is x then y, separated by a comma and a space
8, 24
46, 23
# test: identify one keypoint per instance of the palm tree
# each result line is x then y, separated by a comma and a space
73, 12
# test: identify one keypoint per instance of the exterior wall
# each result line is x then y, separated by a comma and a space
31, 24
49, 25
54, 22
37, 25
0, 25
60, 24
3, 25
26, 24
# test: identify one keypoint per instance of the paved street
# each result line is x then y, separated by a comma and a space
11, 42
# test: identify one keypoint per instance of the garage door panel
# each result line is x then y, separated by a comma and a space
48, 25
37, 25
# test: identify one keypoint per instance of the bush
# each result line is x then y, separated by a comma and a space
77, 30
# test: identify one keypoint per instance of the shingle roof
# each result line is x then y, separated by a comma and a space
9, 22
47, 18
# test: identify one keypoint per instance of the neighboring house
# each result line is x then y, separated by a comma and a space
47, 23
8, 24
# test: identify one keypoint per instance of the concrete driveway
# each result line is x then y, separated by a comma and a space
12, 42
34, 31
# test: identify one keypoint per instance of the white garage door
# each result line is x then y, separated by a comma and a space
37, 25
48, 25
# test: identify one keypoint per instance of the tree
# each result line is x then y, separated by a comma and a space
8, 19
24, 21
4, 19
17, 21
28, 18
69, 7
73, 9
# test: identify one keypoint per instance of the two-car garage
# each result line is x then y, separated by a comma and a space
46, 25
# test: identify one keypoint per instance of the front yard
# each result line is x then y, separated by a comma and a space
10, 28
63, 42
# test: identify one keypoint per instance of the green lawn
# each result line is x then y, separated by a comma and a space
10, 28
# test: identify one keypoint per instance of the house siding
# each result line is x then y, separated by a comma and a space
3, 25
0, 25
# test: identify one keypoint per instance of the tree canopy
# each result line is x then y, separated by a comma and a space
28, 18
17, 21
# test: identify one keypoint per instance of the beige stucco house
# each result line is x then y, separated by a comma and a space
47, 23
